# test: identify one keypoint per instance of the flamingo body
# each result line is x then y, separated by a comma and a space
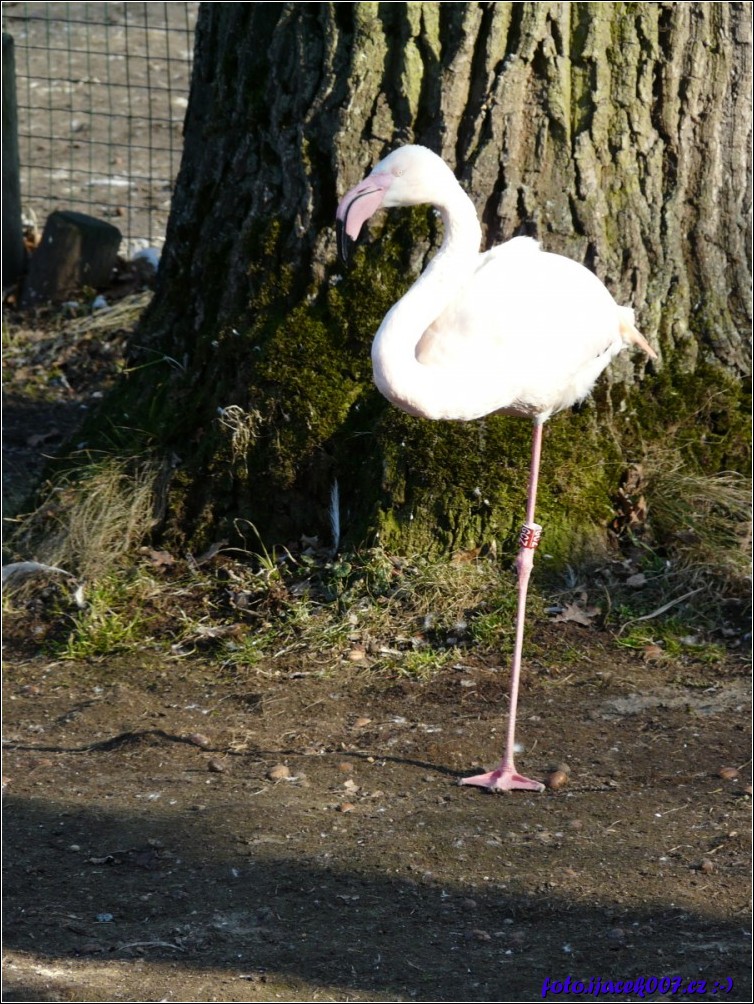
513, 340
515, 330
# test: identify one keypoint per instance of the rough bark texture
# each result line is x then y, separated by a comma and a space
618, 134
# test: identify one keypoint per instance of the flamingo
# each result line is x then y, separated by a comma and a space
514, 331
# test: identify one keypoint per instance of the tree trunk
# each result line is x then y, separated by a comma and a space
617, 134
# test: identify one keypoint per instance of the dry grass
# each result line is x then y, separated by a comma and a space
409, 616
89, 526
703, 520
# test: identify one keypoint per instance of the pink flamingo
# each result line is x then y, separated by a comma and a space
514, 331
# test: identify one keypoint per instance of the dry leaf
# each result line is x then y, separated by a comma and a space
159, 559
579, 615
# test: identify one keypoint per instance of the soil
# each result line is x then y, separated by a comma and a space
152, 852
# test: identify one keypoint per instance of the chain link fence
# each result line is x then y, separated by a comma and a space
102, 90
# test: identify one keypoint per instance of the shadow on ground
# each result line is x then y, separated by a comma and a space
142, 866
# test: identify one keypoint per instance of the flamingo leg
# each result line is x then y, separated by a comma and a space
505, 777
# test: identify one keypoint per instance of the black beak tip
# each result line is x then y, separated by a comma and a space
344, 241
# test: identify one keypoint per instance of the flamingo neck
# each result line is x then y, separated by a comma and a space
407, 383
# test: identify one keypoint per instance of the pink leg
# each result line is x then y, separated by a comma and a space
505, 777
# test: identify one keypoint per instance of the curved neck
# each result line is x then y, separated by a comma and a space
397, 372
447, 272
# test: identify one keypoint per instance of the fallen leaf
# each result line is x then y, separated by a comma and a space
579, 615
159, 559
652, 653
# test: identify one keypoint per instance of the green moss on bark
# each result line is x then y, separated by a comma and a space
295, 378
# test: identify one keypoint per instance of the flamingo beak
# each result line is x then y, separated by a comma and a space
344, 241
355, 209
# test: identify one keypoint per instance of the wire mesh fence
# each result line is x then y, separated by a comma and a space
102, 90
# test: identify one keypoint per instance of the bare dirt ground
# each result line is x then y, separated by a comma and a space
151, 856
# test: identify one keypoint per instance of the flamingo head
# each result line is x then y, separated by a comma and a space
409, 176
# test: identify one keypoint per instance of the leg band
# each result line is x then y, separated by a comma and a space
530, 534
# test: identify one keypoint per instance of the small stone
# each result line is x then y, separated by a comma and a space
216, 767
469, 904
557, 779
198, 739
278, 772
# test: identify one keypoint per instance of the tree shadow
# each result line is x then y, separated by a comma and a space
178, 889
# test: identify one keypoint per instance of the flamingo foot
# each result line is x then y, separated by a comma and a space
503, 779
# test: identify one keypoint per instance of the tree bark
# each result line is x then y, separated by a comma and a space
617, 134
